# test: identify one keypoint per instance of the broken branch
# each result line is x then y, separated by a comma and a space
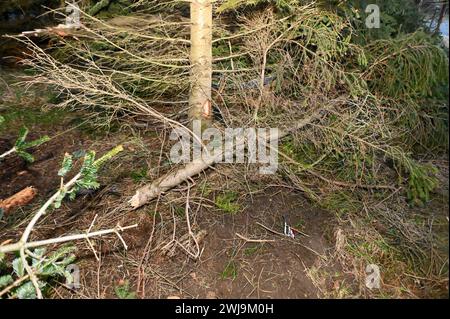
150, 191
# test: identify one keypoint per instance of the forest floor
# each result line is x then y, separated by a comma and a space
238, 220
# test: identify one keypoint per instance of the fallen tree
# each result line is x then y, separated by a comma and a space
166, 182
306, 59
378, 140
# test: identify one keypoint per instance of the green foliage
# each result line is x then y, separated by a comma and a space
342, 203
410, 66
228, 202
18, 267
396, 18
315, 54
27, 290
108, 156
21, 145
45, 267
421, 180
252, 250
422, 125
305, 154
402, 80
110, 8
420, 185
123, 291
66, 165
139, 175
15, 115
88, 172
230, 271
5, 281
56, 263
286, 5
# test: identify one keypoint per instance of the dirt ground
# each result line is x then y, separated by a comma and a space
275, 269
229, 267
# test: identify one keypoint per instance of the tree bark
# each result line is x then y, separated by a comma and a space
441, 17
201, 62
19, 199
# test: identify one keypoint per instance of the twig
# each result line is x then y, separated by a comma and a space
191, 234
8, 152
281, 234
14, 284
254, 240
17, 246
300, 232
270, 230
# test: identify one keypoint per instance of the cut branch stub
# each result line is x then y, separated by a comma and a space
19, 199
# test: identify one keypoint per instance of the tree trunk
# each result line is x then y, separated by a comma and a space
201, 62
441, 17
